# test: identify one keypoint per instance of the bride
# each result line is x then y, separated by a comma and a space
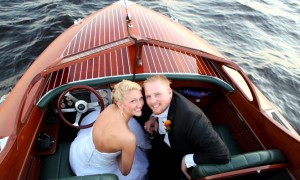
116, 143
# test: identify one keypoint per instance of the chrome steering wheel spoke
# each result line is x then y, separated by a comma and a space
78, 116
71, 97
93, 106
67, 110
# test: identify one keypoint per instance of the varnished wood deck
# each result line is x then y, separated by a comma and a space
104, 48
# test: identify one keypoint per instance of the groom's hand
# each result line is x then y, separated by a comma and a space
184, 168
151, 125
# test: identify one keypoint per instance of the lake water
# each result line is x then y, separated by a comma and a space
262, 36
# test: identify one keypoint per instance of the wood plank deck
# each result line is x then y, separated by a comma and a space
104, 48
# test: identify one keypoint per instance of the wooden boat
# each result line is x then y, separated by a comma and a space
128, 41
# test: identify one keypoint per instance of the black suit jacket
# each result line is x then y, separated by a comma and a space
192, 132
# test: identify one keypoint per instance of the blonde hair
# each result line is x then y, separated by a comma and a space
122, 88
161, 78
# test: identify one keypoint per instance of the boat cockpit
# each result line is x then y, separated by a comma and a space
67, 105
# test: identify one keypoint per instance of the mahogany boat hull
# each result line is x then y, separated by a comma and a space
128, 41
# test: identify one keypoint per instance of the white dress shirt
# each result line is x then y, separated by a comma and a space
161, 127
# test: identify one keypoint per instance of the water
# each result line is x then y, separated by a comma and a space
262, 36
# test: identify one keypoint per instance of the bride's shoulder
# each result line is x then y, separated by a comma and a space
126, 136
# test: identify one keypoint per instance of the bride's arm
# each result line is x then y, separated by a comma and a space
125, 159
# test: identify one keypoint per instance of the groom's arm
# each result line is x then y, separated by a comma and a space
209, 147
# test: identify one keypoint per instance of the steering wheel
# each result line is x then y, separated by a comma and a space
81, 106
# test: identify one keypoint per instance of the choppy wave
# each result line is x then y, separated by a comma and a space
260, 36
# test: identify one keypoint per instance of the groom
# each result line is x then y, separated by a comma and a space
184, 135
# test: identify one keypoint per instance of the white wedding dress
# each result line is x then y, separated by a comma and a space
86, 160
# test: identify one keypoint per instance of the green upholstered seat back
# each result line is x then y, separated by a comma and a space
227, 138
238, 159
57, 166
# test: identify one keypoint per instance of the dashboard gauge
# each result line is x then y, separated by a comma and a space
67, 98
102, 92
105, 101
70, 103
63, 105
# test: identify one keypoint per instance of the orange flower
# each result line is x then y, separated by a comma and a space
167, 125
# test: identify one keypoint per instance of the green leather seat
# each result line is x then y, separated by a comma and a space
92, 177
225, 135
238, 160
57, 166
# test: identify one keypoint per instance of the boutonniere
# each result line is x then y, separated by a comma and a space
167, 124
